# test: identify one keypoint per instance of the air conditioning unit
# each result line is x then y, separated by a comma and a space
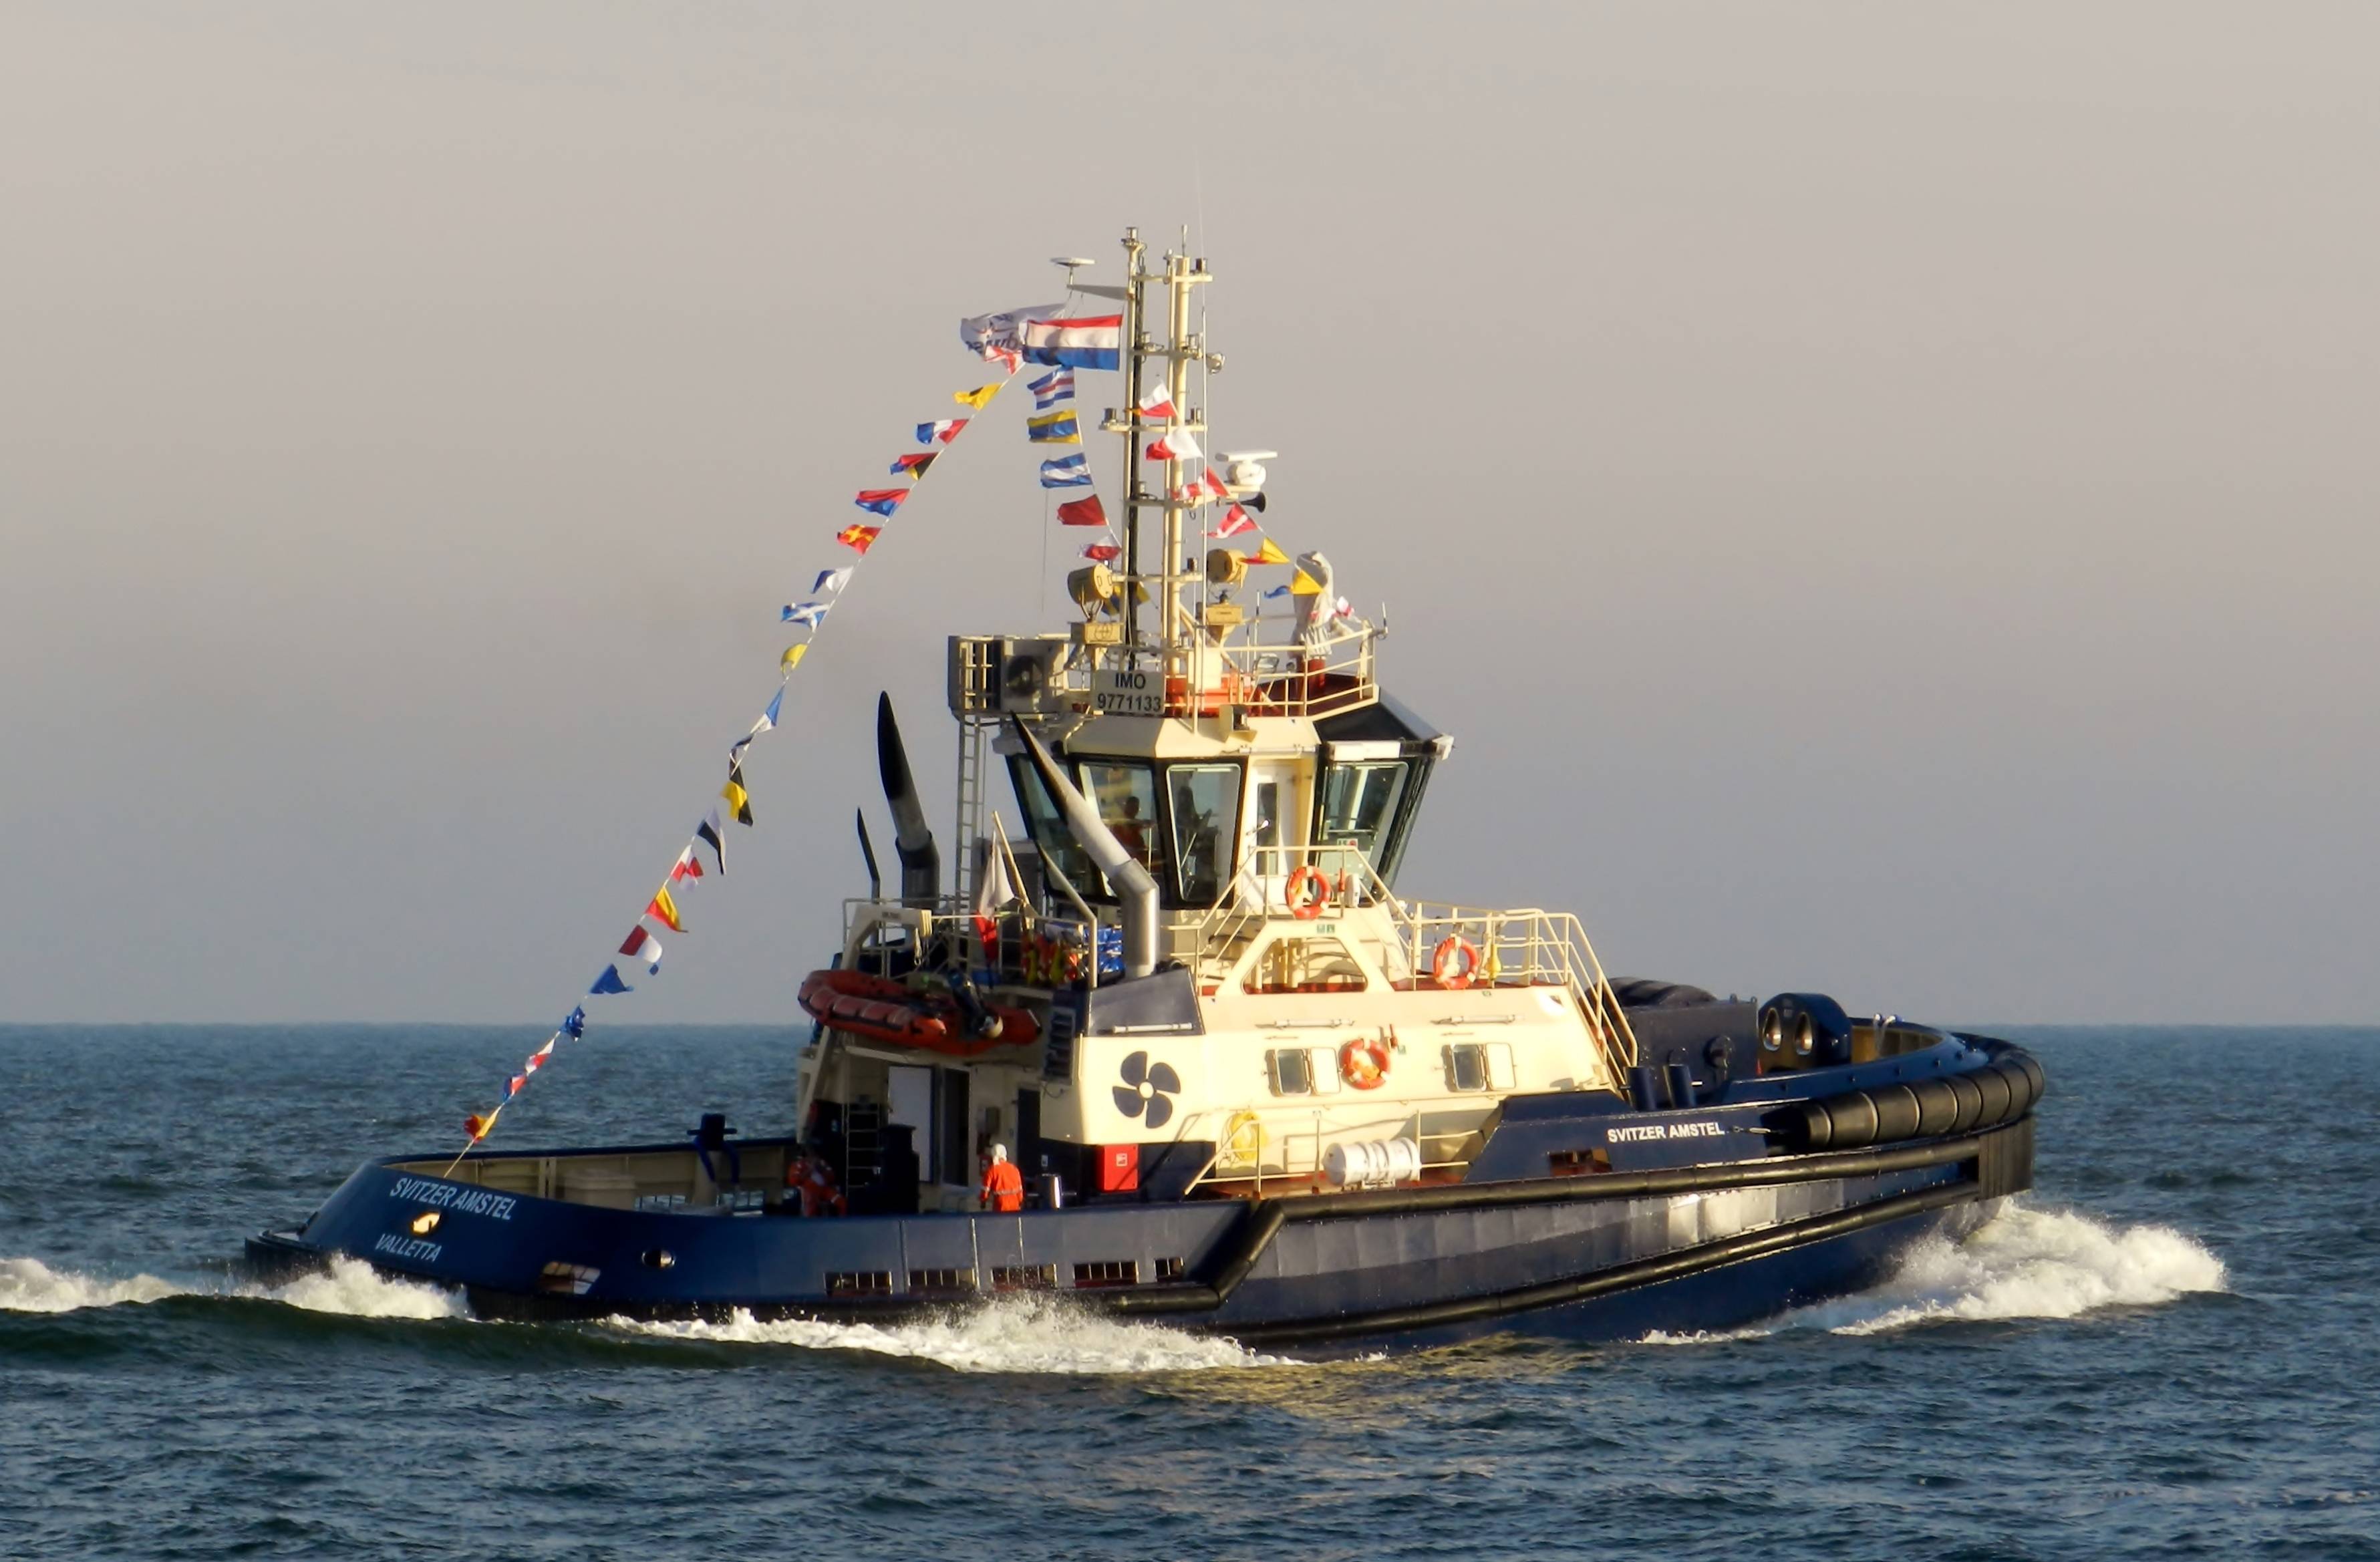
1022, 675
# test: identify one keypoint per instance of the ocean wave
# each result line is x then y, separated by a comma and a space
354, 1290
347, 1287
2025, 1262
1010, 1335
27, 1285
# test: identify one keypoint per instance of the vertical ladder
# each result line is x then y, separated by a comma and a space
973, 734
863, 1149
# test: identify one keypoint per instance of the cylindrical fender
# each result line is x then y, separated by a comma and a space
1970, 1103
1850, 1119
1937, 1107
1896, 1113
1996, 1096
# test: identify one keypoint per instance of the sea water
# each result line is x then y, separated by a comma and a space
2168, 1348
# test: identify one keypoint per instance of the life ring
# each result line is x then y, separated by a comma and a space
1310, 907
1443, 962
884, 1009
1364, 1063
1243, 1143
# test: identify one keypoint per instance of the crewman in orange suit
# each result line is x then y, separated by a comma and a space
1003, 1185
813, 1184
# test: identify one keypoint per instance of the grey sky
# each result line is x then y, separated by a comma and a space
1884, 495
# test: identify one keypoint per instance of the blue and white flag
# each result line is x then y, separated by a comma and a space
1276, 591
807, 614
1067, 471
1052, 388
609, 982
829, 582
574, 1025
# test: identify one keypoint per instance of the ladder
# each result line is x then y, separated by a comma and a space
975, 737
863, 1150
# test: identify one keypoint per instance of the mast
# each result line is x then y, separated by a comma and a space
1179, 349
1131, 491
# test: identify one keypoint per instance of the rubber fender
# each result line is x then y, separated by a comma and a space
1850, 1119
1817, 1126
2020, 1087
1971, 1102
1937, 1107
1996, 1096
1896, 1113
2033, 1069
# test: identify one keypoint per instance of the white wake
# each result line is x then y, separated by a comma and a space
27, 1285
2025, 1262
1012, 1335
348, 1287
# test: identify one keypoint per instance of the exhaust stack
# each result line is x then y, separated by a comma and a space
912, 843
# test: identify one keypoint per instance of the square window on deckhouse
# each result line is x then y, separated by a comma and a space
1303, 1071
1478, 1065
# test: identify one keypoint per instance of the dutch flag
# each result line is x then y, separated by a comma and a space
1096, 342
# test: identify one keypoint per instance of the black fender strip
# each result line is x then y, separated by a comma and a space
1265, 1218
1647, 1271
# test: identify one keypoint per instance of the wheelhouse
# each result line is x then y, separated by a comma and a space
1194, 820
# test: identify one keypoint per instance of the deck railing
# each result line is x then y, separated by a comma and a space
1521, 947
1243, 1140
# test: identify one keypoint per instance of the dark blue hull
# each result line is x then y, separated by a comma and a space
1699, 1247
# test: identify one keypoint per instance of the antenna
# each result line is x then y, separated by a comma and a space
1072, 264
1244, 468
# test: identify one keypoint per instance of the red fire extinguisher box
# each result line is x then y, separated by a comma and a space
1119, 1169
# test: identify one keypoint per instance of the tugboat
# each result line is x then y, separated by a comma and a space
1255, 1086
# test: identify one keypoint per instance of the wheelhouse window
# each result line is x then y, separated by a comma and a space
1048, 826
1124, 792
1359, 806
1206, 821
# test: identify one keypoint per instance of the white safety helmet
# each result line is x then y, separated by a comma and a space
999, 1152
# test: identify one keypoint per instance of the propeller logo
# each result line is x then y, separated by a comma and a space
1148, 1090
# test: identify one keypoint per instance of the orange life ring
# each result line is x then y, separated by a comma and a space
1307, 909
1364, 1063
1442, 963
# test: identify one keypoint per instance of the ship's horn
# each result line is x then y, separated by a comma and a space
921, 864
1134, 889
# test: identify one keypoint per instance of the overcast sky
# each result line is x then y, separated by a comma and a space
1883, 495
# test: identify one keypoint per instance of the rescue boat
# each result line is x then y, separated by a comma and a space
1258, 1084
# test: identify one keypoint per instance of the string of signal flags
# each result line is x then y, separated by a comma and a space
807, 616
1018, 336
1045, 337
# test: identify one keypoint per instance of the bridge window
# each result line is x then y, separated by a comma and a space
1059, 850
1125, 795
1359, 805
1206, 821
